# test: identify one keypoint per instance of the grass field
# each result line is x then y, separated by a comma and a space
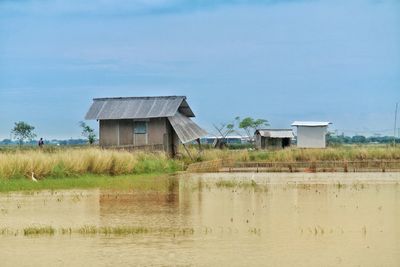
17, 164
348, 153
120, 182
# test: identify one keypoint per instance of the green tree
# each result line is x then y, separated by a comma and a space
88, 132
250, 125
224, 129
333, 139
23, 131
359, 139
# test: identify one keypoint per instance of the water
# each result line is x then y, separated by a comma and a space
237, 219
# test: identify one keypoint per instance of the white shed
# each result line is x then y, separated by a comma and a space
311, 134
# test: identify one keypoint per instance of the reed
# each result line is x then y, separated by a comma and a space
238, 184
77, 162
127, 230
95, 230
46, 230
350, 153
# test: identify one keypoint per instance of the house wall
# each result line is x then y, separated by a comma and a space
121, 133
125, 132
108, 132
270, 143
175, 142
156, 130
171, 140
141, 139
273, 143
258, 141
311, 137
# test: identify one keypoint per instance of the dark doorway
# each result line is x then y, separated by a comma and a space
285, 142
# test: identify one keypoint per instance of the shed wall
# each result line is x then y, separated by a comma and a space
141, 139
171, 139
125, 132
108, 132
311, 137
258, 141
273, 143
156, 131
121, 133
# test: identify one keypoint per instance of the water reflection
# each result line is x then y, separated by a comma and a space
258, 220
143, 208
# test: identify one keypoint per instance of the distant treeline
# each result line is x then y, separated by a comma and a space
67, 142
331, 140
359, 139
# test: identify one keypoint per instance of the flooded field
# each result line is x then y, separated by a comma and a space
209, 220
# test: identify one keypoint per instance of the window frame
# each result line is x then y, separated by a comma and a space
141, 130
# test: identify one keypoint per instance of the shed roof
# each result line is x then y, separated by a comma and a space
185, 128
311, 123
276, 133
113, 108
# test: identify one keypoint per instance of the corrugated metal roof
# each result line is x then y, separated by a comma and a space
311, 123
185, 128
137, 107
276, 133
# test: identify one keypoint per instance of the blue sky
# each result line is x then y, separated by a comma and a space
282, 60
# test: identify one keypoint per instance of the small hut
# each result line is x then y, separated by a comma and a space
154, 123
273, 139
311, 134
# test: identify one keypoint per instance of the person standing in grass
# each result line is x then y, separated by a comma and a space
41, 142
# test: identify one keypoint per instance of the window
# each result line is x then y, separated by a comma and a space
140, 127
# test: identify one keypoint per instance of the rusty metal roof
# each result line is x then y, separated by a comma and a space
138, 107
185, 128
276, 133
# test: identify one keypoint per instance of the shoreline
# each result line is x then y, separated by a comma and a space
157, 181
120, 182
340, 166
320, 178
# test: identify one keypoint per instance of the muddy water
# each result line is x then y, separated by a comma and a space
237, 220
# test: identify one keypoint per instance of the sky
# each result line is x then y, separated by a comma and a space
280, 60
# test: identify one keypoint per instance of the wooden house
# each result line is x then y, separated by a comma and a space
154, 123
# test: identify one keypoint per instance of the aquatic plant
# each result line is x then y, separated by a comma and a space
95, 230
254, 230
45, 230
240, 184
226, 183
7, 231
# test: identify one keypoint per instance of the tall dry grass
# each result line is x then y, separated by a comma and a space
74, 162
79, 161
353, 153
